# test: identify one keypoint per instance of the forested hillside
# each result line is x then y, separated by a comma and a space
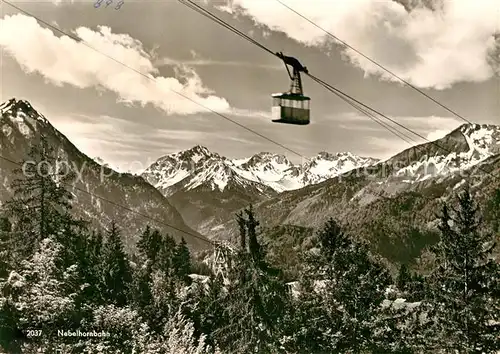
66, 286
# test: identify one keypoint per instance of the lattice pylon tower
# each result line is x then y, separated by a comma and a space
220, 260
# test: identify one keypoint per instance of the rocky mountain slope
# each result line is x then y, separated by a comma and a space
208, 189
393, 203
198, 165
21, 124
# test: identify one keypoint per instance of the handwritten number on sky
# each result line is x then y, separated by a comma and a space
98, 3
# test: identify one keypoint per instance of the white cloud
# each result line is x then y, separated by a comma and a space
437, 134
429, 127
240, 112
197, 61
383, 148
431, 49
62, 60
419, 123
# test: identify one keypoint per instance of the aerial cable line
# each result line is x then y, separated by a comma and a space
335, 90
76, 38
370, 115
375, 63
206, 13
238, 32
319, 81
329, 87
213, 17
161, 222
202, 11
338, 92
123, 207
151, 78
199, 9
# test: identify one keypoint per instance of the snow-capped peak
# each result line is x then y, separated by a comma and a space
472, 144
326, 165
195, 154
198, 166
482, 138
266, 161
19, 117
216, 173
20, 109
173, 168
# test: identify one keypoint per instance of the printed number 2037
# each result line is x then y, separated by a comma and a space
34, 333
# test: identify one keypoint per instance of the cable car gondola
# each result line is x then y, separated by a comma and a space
292, 107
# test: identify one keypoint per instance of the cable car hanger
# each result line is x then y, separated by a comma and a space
297, 68
292, 107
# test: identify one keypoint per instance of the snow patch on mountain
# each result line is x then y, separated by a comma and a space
6, 130
21, 109
198, 166
216, 174
483, 141
325, 166
20, 116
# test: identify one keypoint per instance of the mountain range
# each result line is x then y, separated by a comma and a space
392, 204
208, 188
198, 166
119, 196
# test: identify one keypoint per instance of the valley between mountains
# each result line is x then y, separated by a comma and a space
391, 203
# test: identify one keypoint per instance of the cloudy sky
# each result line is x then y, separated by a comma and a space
129, 116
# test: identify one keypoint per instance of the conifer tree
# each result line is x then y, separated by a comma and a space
243, 230
182, 260
358, 284
144, 241
142, 295
255, 300
149, 246
6, 246
94, 270
492, 212
116, 268
306, 319
166, 251
41, 204
207, 308
251, 224
344, 297
464, 289
331, 239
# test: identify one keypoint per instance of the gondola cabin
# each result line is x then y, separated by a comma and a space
291, 108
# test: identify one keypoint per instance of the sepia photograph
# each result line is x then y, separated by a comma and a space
250, 176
